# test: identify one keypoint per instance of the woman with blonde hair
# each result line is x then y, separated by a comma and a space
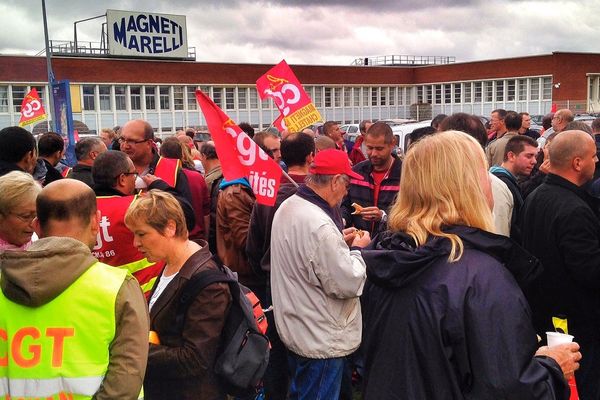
181, 356
18, 192
443, 312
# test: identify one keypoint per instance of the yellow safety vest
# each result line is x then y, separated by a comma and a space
60, 350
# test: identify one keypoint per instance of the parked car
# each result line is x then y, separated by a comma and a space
402, 133
351, 132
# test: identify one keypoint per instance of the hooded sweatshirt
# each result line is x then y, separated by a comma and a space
464, 326
40, 274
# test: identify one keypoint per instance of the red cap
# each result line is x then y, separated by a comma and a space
332, 162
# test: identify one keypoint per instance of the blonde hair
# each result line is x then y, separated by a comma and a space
156, 208
17, 187
441, 186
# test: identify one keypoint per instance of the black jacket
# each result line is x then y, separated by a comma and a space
52, 174
258, 243
361, 192
560, 225
82, 173
462, 330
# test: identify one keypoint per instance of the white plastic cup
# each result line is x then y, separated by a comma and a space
556, 338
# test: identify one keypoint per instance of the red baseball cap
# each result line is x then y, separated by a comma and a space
333, 162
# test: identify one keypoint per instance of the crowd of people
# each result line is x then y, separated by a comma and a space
433, 273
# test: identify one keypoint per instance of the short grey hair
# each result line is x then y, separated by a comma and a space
85, 145
17, 187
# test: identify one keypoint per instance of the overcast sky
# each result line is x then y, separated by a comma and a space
329, 31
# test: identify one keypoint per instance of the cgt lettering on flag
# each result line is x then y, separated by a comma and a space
32, 109
240, 156
280, 84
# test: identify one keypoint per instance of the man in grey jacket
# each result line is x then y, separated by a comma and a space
316, 278
76, 327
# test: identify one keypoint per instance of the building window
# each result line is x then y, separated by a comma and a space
104, 94
419, 94
534, 89
337, 97
547, 89
150, 97
383, 95
447, 93
438, 94
488, 90
347, 97
356, 96
401, 93
510, 90
374, 96
318, 96
192, 104
3, 98
499, 90
365, 96
522, 89
89, 97
457, 92
327, 97
242, 98
120, 98
230, 98
428, 94
218, 96
253, 99
392, 98
135, 97
18, 94
165, 101
477, 90
178, 97
468, 93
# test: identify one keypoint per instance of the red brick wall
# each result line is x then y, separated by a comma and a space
569, 69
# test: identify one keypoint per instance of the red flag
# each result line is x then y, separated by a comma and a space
554, 108
279, 123
285, 89
32, 109
240, 157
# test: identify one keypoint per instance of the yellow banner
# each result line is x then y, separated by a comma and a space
32, 120
302, 118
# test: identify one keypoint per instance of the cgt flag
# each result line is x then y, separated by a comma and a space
240, 157
32, 109
285, 89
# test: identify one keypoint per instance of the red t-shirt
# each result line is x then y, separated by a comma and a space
377, 178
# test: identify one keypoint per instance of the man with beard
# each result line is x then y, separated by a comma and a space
381, 181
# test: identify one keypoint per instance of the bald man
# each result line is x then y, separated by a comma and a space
561, 226
89, 321
137, 141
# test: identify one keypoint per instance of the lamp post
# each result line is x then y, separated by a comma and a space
49, 68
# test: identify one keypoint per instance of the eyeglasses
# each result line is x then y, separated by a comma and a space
25, 217
135, 174
131, 142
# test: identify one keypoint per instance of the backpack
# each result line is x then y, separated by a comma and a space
243, 355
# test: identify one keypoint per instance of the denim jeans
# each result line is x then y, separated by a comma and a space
315, 379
